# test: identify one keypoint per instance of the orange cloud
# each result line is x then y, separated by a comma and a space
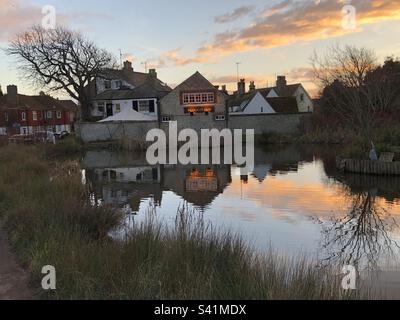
291, 22
236, 14
15, 17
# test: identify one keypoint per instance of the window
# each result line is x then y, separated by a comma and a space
220, 117
166, 119
118, 84
302, 97
23, 116
198, 98
100, 106
34, 115
49, 115
59, 114
144, 106
6, 116
71, 117
262, 110
107, 84
117, 108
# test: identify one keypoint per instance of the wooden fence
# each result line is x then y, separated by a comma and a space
368, 167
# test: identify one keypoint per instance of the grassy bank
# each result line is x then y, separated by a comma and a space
51, 222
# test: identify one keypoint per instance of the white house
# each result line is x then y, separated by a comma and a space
125, 90
283, 98
249, 103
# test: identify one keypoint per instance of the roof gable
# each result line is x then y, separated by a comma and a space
195, 82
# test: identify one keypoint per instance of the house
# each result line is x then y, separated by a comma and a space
195, 103
262, 101
23, 114
284, 98
297, 91
126, 90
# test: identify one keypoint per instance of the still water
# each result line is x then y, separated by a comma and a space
294, 201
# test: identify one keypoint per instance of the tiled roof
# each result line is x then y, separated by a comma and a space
284, 104
287, 91
152, 88
41, 102
196, 81
132, 77
240, 100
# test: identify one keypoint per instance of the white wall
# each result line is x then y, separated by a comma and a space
305, 105
258, 105
124, 105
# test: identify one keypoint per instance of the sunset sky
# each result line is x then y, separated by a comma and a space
179, 37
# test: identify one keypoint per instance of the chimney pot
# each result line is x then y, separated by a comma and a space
153, 73
242, 87
281, 82
252, 86
12, 95
128, 66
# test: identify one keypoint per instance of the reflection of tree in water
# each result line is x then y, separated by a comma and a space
361, 237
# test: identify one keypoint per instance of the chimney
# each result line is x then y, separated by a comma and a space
153, 73
252, 86
224, 89
242, 87
216, 87
281, 83
128, 66
12, 95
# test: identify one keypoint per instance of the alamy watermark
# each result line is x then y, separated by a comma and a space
349, 282
165, 150
349, 13
49, 17
49, 280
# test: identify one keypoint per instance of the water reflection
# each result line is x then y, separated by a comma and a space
354, 217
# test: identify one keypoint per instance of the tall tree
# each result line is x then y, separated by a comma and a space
342, 74
60, 59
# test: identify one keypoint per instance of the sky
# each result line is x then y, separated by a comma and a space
180, 37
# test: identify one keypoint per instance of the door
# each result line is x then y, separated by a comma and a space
109, 110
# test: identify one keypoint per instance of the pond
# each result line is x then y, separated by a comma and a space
294, 201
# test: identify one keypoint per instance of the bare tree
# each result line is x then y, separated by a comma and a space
341, 74
60, 59
363, 236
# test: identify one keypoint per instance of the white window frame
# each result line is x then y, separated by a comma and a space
198, 98
34, 115
145, 107
59, 114
49, 114
117, 108
23, 116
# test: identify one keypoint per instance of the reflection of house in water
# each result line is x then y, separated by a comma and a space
121, 186
121, 179
261, 171
197, 184
130, 184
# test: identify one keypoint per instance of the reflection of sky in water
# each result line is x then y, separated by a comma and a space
283, 208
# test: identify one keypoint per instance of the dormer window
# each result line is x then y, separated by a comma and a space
198, 98
23, 116
118, 84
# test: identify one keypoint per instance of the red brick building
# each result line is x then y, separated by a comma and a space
21, 114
